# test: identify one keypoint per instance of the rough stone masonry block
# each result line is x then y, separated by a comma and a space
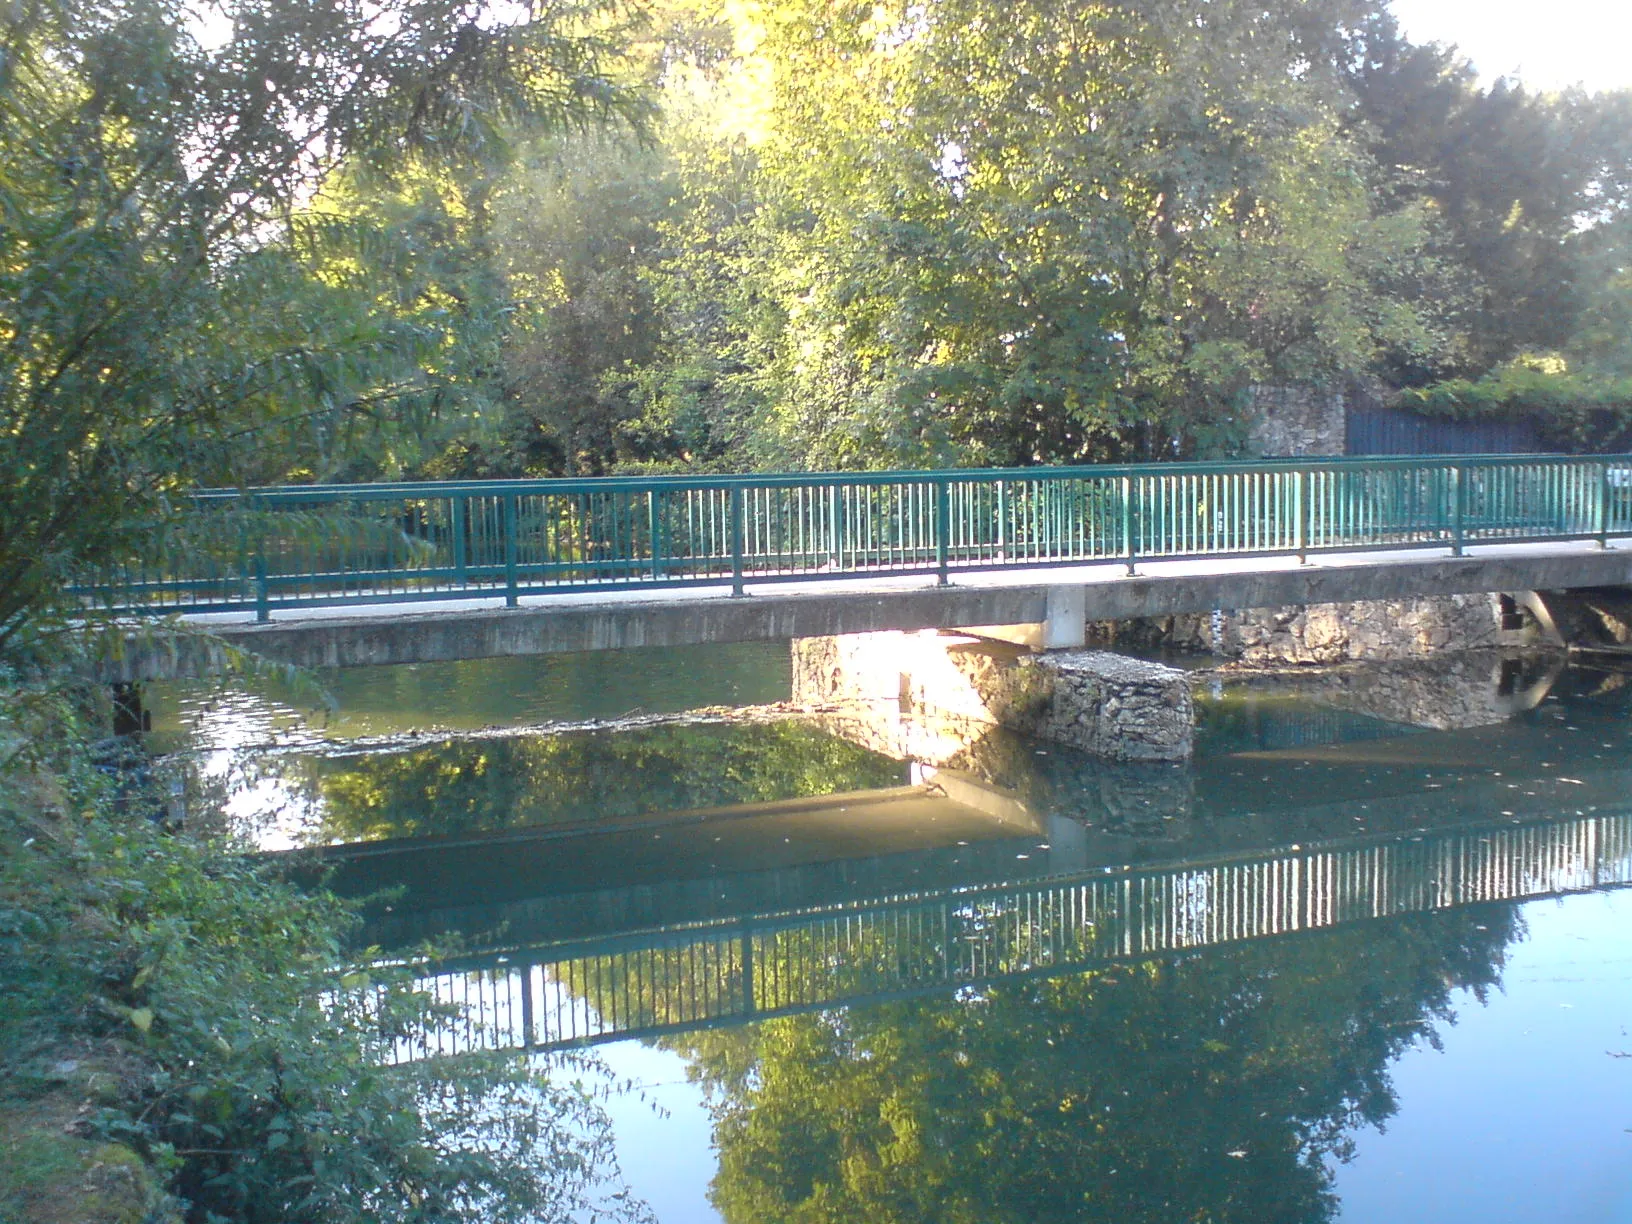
1116, 707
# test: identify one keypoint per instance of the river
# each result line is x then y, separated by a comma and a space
1367, 958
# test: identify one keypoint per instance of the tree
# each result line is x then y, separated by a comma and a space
151, 323
1522, 183
1006, 234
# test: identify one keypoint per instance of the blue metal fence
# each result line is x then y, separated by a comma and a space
311, 545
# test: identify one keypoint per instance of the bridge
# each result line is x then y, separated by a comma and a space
341, 575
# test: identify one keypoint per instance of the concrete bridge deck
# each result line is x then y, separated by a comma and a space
1061, 599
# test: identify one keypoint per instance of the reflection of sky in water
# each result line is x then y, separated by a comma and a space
260, 806
1525, 1114
663, 1133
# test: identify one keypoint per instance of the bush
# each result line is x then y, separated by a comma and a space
1575, 412
251, 1078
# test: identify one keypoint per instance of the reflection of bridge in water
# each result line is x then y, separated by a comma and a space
729, 971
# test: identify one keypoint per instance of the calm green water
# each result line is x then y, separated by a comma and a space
1340, 968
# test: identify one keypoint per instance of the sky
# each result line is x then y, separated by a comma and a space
1547, 44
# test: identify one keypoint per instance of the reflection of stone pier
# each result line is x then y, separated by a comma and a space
1475, 688
1107, 705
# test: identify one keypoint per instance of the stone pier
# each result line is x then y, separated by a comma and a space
1106, 704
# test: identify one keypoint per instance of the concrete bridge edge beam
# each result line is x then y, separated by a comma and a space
398, 635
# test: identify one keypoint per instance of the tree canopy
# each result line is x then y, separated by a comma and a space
282, 241
173, 295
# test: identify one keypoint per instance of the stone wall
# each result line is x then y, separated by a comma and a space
1296, 421
1114, 707
1322, 633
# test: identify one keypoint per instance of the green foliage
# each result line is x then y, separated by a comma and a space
256, 1081
968, 234
1523, 186
1575, 411
465, 786
959, 234
159, 311
1211, 1087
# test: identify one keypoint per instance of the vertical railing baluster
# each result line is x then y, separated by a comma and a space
263, 599
1300, 515
1003, 521
941, 491
510, 516
654, 533
1603, 505
1129, 551
1457, 495
735, 514
456, 515
835, 530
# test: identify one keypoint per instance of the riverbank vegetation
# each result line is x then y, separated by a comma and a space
183, 1037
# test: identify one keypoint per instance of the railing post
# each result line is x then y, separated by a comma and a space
747, 957
737, 532
456, 517
1300, 515
654, 532
1456, 509
1131, 553
943, 527
529, 1023
263, 597
1603, 505
510, 515
1003, 520
835, 528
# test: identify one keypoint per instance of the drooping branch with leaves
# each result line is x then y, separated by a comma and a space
159, 309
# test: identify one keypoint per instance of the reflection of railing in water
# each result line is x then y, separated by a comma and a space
1301, 726
727, 973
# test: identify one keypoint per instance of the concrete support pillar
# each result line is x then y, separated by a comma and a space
1067, 625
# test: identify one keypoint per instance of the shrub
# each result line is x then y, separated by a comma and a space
253, 1081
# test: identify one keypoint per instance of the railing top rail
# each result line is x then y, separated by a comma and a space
425, 488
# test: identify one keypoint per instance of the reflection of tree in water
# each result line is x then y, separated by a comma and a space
1210, 1088
471, 785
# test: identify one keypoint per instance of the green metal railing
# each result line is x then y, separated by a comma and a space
310, 545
